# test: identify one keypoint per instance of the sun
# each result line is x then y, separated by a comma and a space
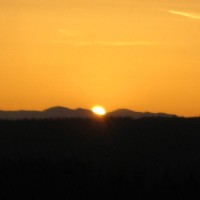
99, 110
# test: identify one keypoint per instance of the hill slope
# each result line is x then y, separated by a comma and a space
62, 112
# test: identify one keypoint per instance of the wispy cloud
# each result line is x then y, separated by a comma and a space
185, 14
68, 32
103, 43
112, 43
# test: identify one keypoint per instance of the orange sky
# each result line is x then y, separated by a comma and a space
141, 55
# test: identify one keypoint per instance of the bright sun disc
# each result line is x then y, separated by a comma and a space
98, 110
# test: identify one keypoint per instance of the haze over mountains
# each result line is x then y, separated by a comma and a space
62, 112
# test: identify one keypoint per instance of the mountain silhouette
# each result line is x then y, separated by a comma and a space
62, 112
136, 115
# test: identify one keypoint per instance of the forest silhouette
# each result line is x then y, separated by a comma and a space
102, 157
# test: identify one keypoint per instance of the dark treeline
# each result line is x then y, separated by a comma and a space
106, 157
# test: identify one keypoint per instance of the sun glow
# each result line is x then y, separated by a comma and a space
99, 110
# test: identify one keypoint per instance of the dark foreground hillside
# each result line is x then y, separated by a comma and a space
100, 158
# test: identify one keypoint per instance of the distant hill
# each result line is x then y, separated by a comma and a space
137, 115
62, 112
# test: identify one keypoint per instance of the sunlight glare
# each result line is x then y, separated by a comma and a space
99, 110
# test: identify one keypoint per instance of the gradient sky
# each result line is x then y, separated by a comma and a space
141, 55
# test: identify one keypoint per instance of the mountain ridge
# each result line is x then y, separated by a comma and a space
64, 112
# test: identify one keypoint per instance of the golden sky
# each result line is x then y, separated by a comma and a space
141, 55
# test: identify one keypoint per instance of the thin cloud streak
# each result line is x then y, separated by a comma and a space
185, 14
68, 32
112, 43
103, 43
